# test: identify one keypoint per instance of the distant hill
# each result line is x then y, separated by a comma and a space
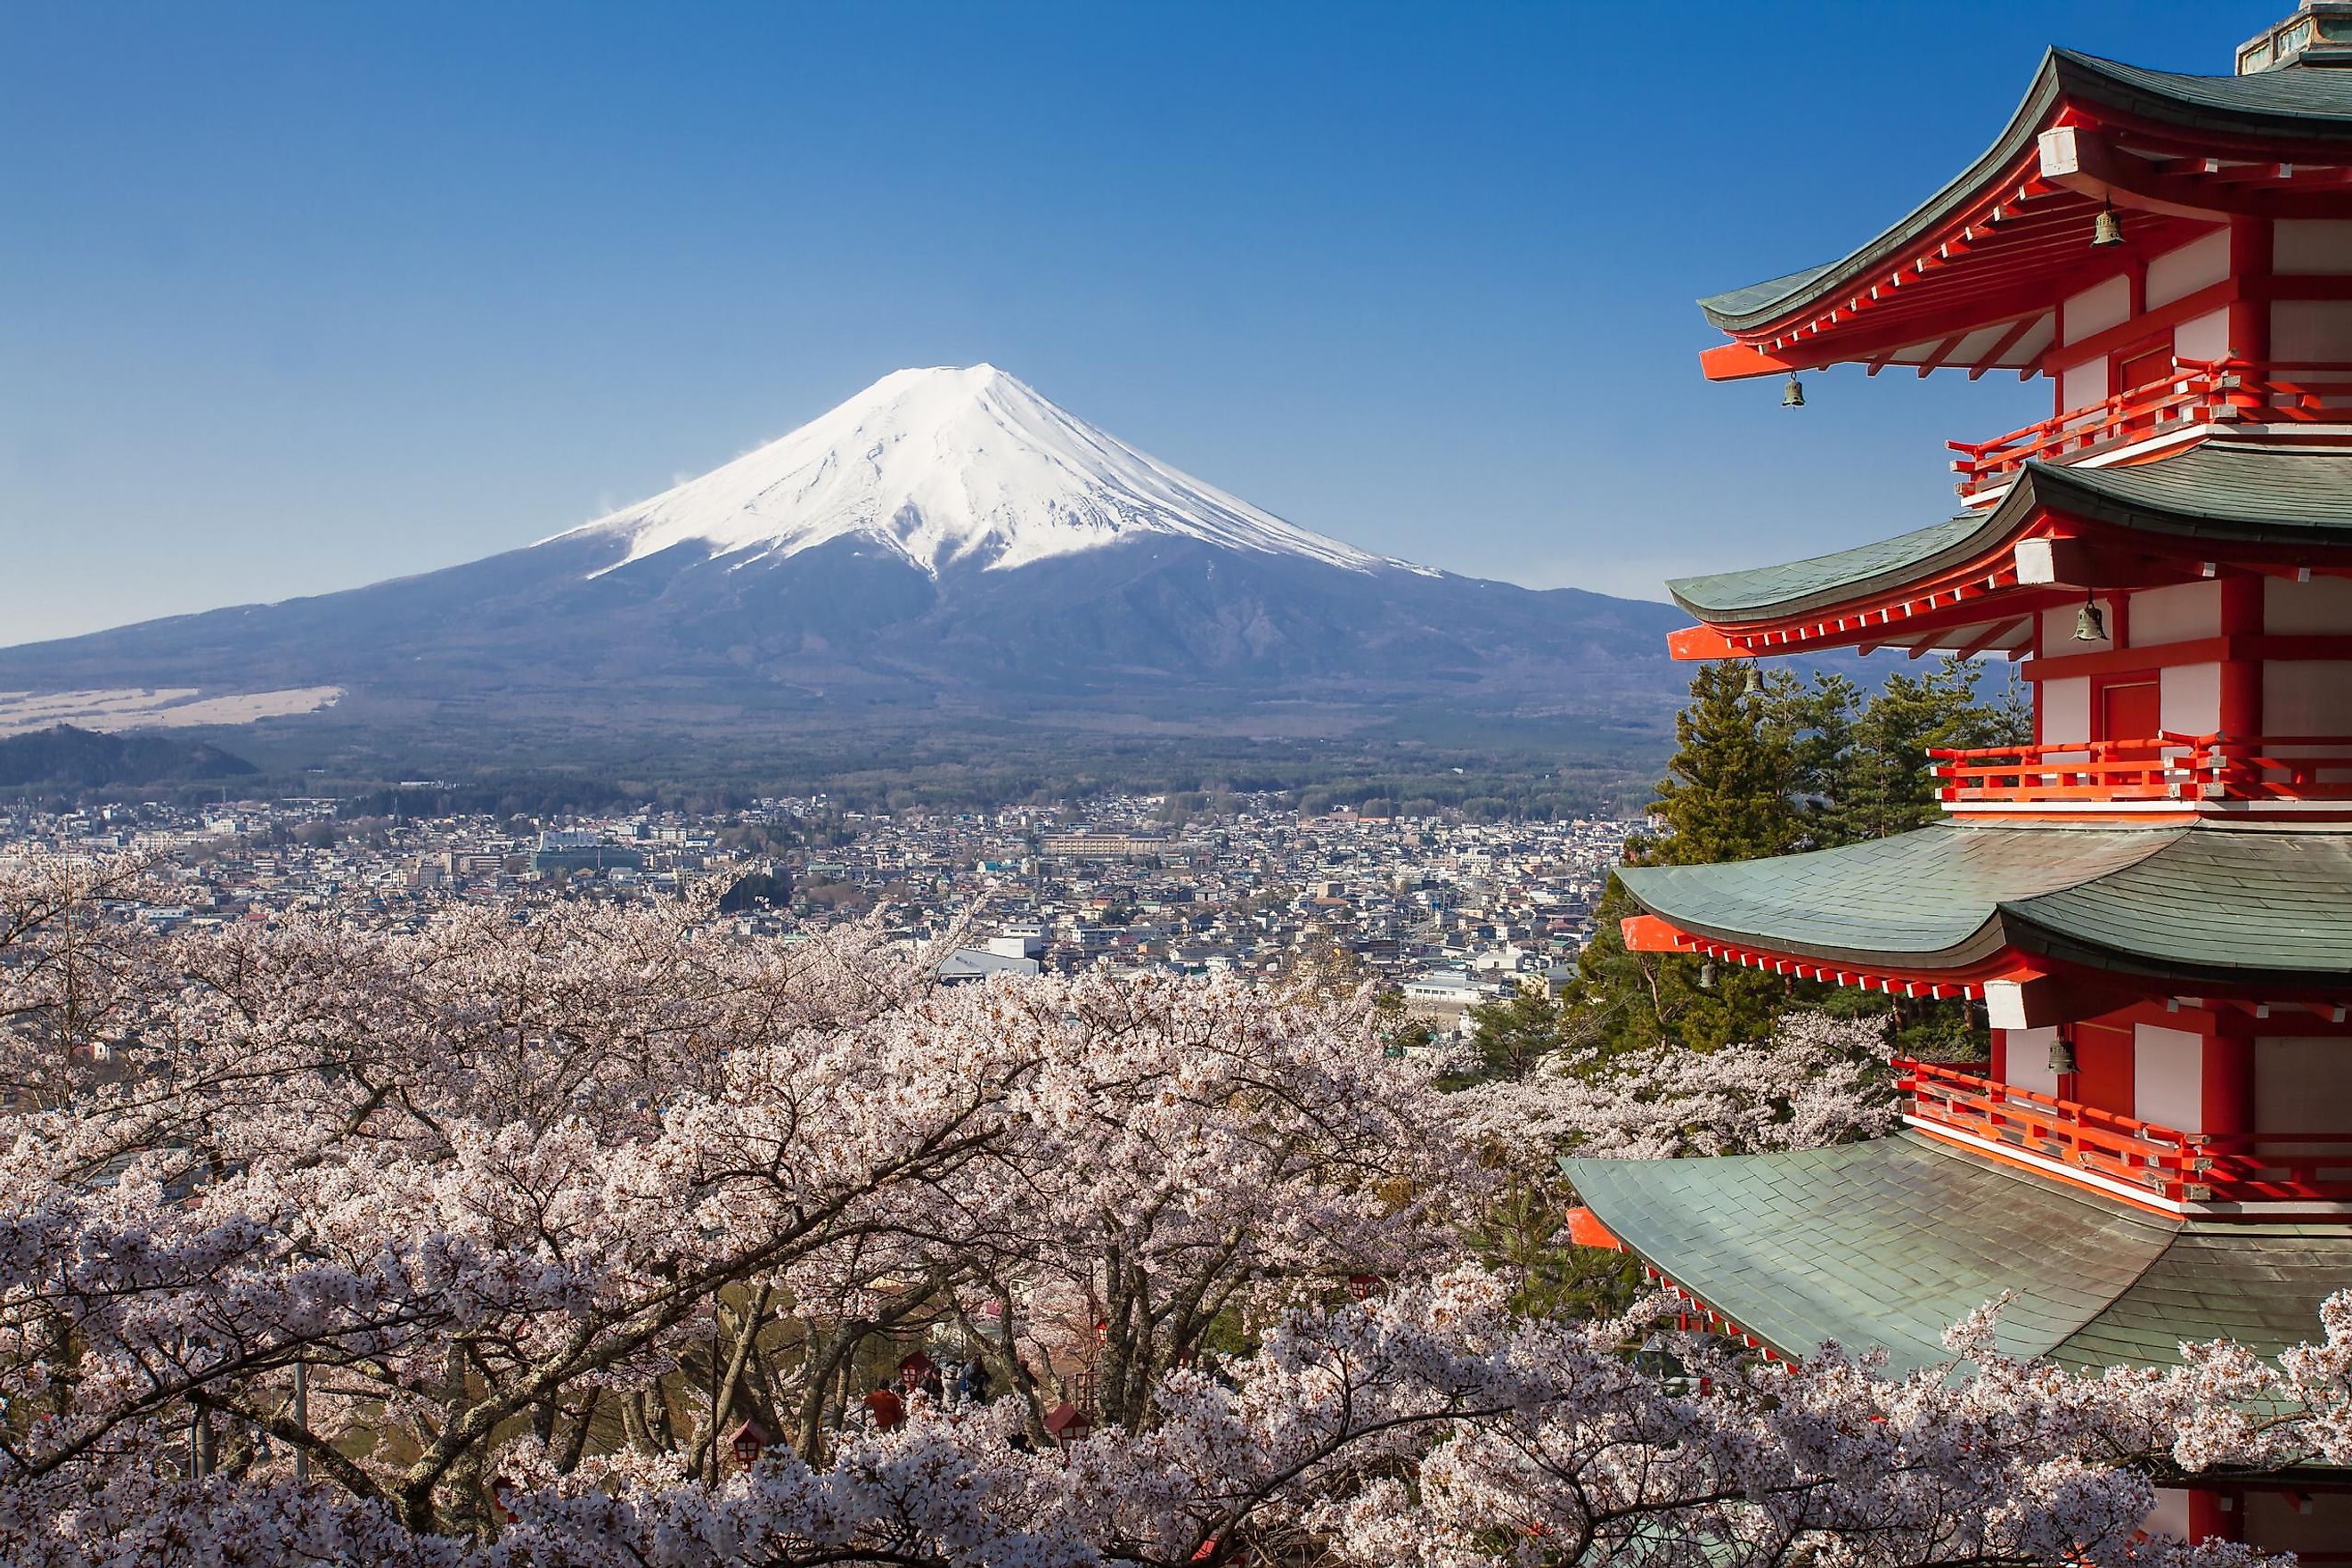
84, 759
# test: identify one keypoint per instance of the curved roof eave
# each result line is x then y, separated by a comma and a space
2237, 492
1885, 1243
1819, 582
1744, 309
1929, 899
2243, 491
2307, 103
2231, 905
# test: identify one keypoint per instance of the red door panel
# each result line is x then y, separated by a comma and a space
2141, 369
2130, 711
2102, 1063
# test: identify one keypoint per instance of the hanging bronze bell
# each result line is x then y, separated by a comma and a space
1793, 394
2090, 625
2106, 229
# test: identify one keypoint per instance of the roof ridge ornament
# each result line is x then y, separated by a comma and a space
2318, 33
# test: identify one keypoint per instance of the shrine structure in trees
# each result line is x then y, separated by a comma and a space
2153, 901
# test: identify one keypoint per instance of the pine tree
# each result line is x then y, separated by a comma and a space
1767, 764
1731, 793
1881, 784
1512, 1035
1726, 793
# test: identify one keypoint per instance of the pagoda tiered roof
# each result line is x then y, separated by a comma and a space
1957, 583
2244, 907
1969, 276
1888, 1243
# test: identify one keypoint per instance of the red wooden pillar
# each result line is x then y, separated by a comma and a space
2209, 1520
2229, 1079
2241, 677
2249, 266
2070, 1084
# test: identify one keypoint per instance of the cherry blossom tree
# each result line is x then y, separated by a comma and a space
465, 1246
1430, 1425
1817, 1079
595, 1175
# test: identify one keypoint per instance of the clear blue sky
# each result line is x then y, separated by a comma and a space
300, 296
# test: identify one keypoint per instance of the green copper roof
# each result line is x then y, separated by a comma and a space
2241, 492
1927, 898
1885, 1244
2218, 901
2223, 490
2298, 104
1737, 301
1829, 579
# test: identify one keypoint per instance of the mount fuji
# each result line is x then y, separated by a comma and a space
948, 545
952, 468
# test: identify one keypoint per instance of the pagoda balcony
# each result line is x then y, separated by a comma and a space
2188, 768
2269, 1169
2201, 398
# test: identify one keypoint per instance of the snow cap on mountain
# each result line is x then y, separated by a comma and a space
951, 467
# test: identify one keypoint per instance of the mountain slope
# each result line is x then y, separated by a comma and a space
947, 546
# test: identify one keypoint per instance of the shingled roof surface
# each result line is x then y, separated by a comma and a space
1885, 1244
2239, 491
2295, 104
2216, 900
2211, 901
1924, 896
1796, 584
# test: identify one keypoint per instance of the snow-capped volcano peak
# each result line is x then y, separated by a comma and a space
948, 465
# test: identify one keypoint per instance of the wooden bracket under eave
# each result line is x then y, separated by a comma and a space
1653, 933
2030, 999
1743, 362
1703, 642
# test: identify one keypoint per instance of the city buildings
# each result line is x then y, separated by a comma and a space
2153, 902
1471, 908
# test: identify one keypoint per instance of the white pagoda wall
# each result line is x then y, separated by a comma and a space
2065, 710
2200, 264
2172, 275
2190, 695
2311, 247
2307, 330
2025, 1059
2300, 1084
2084, 315
2169, 1077
2307, 697
2186, 268
2301, 331
2181, 612
2300, 697
2318, 608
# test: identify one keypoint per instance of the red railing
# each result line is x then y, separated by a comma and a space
2198, 392
2184, 1167
2282, 767
2167, 767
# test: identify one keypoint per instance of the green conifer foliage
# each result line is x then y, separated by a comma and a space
1768, 764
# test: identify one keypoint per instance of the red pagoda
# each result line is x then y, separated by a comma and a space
2154, 899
